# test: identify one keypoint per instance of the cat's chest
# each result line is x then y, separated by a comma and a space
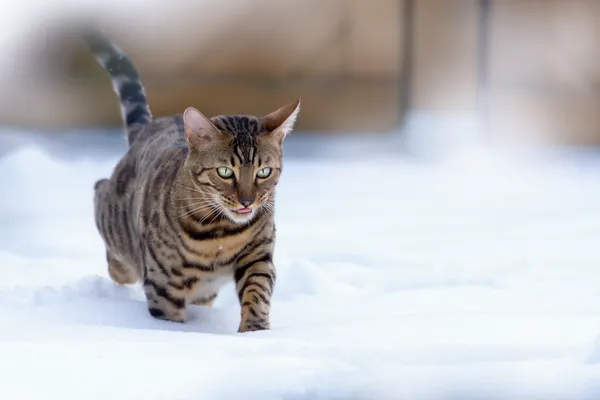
211, 285
221, 248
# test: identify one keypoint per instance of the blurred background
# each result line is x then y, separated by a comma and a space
417, 73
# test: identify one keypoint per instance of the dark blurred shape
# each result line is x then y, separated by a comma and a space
530, 67
341, 57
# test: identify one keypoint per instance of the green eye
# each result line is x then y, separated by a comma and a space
263, 173
225, 172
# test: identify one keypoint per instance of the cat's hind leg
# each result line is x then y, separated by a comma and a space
120, 273
107, 225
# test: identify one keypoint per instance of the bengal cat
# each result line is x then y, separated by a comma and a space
190, 206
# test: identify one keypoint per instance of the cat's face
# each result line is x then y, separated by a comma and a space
238, 178
236, 161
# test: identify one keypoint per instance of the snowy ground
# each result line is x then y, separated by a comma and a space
475, 278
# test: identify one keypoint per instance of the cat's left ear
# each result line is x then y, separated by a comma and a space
281, 122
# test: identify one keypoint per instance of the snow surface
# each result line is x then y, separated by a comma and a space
473, 278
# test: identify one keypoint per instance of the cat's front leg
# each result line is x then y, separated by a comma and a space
254, 283
165, 300
163, 303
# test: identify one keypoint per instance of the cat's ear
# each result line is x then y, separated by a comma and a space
200, 132
281, 122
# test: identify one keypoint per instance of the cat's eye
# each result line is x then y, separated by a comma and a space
263, 173
225, 172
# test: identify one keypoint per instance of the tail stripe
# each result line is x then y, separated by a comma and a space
126, 82
136, 115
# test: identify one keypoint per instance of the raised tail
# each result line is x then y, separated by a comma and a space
125, 80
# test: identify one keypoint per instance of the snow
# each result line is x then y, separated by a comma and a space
474, 277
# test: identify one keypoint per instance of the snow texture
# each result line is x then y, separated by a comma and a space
473, 278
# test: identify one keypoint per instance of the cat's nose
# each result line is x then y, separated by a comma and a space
247, 201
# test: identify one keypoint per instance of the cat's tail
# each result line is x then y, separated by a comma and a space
125, 80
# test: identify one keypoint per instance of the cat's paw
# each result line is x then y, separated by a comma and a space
250, 326
157, 313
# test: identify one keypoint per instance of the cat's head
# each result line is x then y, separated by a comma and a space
235, 160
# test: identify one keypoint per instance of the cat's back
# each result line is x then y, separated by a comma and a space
158, 139
153, 158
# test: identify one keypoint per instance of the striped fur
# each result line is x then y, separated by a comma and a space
125, 80
171, 222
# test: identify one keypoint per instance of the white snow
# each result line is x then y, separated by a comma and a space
473, 278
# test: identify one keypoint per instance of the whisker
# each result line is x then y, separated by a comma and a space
198, 203
215, 209
197, 198
219, 213
192, 189
270, 207
190, 198
188, 213
270, 210
196, 209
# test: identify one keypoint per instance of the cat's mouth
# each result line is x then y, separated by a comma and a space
241, 215
246, 210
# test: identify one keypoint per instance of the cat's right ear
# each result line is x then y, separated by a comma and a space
200, 132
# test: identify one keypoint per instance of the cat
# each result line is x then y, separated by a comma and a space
190, 206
